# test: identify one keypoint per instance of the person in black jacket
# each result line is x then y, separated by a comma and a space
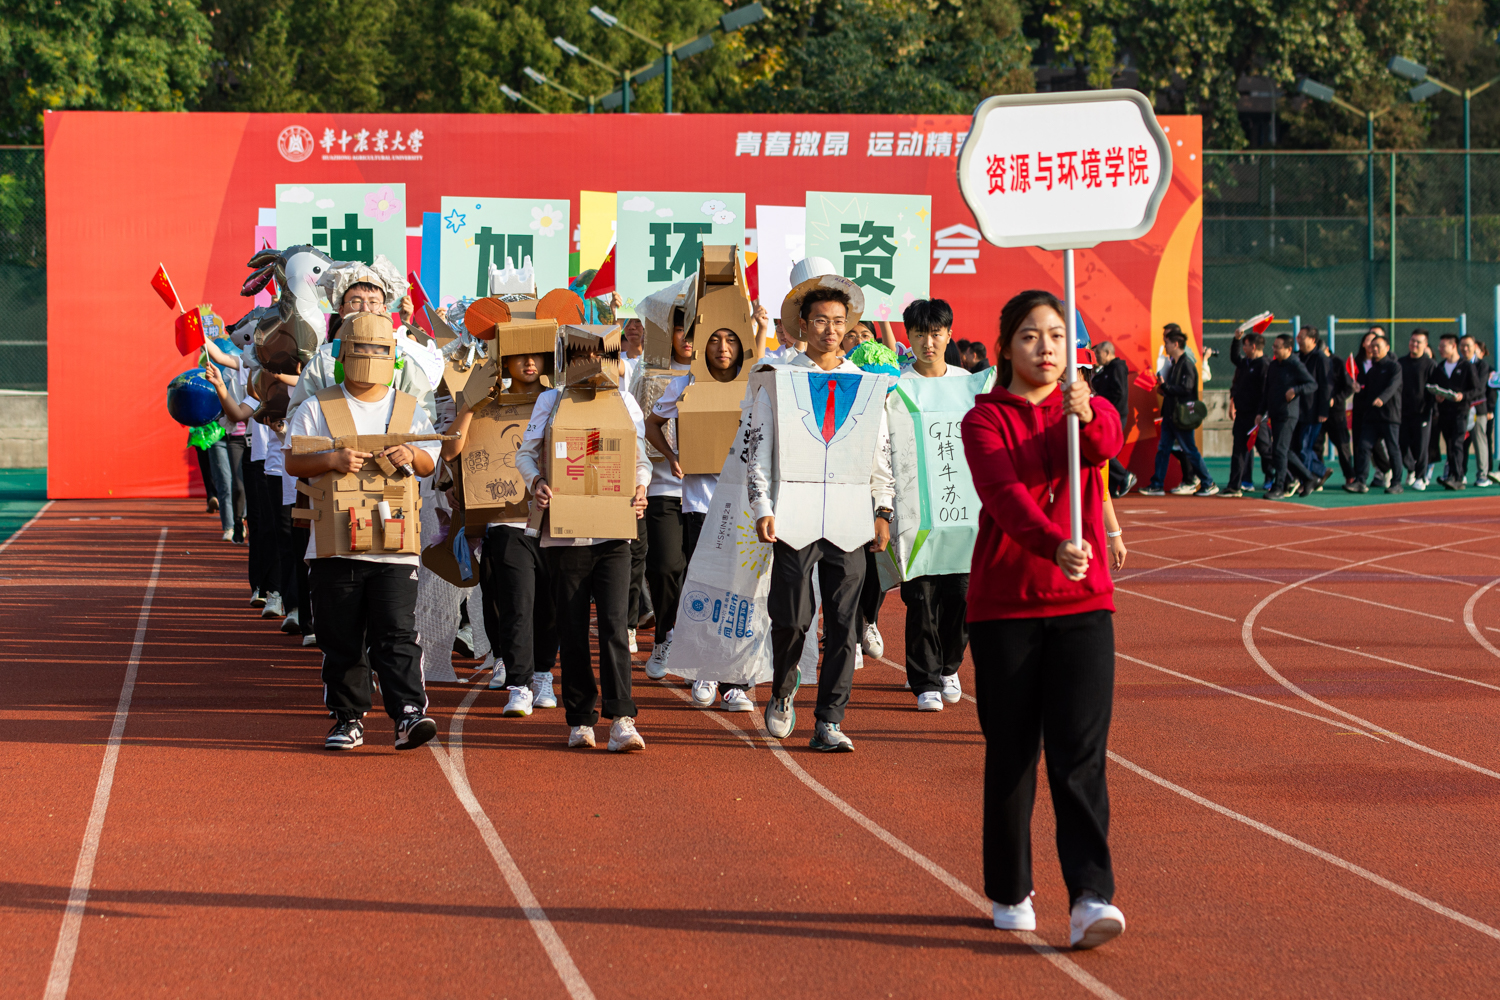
1179, 386
1336, 429
1456, 386
1287, 383
1479, 437
1315, 407
1246, 403
1112, 381
1380, 398
1417, 408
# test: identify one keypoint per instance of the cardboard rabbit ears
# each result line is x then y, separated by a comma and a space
524, 326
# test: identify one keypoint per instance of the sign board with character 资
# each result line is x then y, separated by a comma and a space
881, 242
345, 221
660, 235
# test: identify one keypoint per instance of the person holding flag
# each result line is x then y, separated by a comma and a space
1040, 619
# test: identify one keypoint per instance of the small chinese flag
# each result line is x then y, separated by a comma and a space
604, 278
1259, 323
419, 302
190, 331
163, 286
1352, 367
1144, 381
1250, 439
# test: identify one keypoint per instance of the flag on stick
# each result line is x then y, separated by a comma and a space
419, 301
190, 330
604, 278
163, 286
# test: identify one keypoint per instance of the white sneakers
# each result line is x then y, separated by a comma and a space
273, 608
541, 691
630, 640
1094, 922
929, 701
623, 737
738, 700
519, 705
497, 679
581, 736
871, 642
656, 667
781, 718
953, 691
1020, 917
704, 693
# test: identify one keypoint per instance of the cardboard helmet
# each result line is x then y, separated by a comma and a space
588, 356
368, 348
483, 315
812, 273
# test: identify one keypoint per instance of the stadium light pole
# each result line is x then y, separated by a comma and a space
1322, 92
578, 53
732, 21
1427, 86
536, 77
516, 96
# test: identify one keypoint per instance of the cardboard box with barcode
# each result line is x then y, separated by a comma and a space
708, 414
590, 445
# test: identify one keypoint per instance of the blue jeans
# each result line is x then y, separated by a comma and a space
1184, 439
1307, 434
223, 482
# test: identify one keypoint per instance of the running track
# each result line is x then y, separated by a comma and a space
1304, 778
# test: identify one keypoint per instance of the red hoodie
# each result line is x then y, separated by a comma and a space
1018, 455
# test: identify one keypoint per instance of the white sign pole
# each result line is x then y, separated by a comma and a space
1075, 475
1066, 171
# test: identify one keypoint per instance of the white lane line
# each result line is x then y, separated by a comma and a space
19, 531
1469, 618
733, 729
83, 872
1382, 659
1316, 852
1248, 638
1378, 604
1250, 697
1175, 604
452, 764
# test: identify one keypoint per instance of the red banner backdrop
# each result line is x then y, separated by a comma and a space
126, 191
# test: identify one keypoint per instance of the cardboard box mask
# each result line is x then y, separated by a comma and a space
588, 356
708, 415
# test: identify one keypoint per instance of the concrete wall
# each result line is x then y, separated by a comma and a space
23, 429
1217, 437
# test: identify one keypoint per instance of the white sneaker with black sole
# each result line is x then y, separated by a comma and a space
872, 642
1094, 922
623, 738
929, 701
704, 693
289, 624
346, 734
519, 705
1185, 489
738, 700
414, 730
953, 691
1020, 917
656, 667
273, 607
257, 599
542, 695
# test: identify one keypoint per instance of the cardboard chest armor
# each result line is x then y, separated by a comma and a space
344, 506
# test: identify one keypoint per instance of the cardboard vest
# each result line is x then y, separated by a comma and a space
345, 517
708, 414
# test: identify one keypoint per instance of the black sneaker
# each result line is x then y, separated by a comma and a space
413, 731
1357, 486
1275, 494
346, 734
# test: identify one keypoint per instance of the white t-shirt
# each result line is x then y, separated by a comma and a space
369, 418
695, 489
1448, 367
954, 371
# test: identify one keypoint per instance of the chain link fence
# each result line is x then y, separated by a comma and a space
23, 270
1363, 237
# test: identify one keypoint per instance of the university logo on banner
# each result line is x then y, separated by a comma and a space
345, 221
295, 143
479, 232
881, 242
660, 236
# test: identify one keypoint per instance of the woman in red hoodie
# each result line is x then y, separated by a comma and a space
1040, 621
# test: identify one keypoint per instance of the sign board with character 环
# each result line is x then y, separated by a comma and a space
881, 242
660, 235
345, 221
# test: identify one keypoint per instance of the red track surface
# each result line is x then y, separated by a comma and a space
237, 858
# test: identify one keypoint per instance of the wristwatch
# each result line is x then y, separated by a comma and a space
885, 514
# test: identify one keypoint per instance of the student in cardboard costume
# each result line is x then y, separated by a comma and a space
583, 459
364, 546
705, 405
354, 288
819, 455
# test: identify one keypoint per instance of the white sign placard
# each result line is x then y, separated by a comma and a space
1065, 170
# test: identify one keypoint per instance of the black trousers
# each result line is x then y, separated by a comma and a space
638, 549
1045, 683
1283, 437
580, 574
258, 530
841, 577
270, 530
1373, 434
1240, 469
1337, 433
1416, 429
291, 541
666, 559
517, 595
365, 606
1118, 477
936, 632
871, 597
1452, 418
239, 454
1381, 454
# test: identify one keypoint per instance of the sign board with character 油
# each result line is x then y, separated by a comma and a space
881, 242
660, 235
345, 221
478, 232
